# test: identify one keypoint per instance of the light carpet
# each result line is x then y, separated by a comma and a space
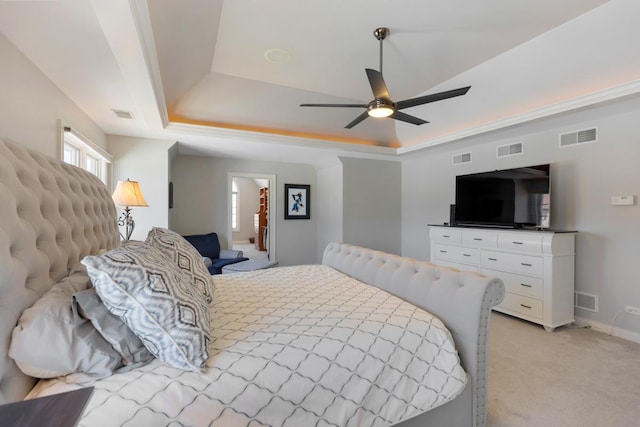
570, 377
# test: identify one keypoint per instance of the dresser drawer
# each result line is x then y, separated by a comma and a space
457, 254
514, 263
456, 265
446, 235
520, 242
528, 306
518, 284
484, 239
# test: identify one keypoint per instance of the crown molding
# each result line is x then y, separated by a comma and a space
610, 94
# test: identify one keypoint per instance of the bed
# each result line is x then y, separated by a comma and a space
362, 349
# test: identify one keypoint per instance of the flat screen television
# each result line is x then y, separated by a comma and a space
512, 198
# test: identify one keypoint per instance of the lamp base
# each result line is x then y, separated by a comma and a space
126, 220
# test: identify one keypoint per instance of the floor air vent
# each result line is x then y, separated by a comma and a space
578, 137
509, 150
586, 301
461, 158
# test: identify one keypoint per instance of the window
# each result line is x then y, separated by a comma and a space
234, 210
79, 151
71, 155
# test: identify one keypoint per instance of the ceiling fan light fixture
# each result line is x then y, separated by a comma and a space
380, 109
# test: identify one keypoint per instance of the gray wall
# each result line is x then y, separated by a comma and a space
372, 203
31, 105
584, 178
200, 200
329, 206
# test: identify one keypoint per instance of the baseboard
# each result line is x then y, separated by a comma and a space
607, 329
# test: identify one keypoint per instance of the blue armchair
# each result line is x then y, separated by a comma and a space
209, 247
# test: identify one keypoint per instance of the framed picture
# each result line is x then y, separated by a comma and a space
297, 201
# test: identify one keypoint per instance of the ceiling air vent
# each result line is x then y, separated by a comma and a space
123, 114
509, 150
578, 137
461, 158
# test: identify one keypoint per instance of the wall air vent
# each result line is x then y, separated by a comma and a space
509, 150
123, 114
461, 158
578, 137
586, 301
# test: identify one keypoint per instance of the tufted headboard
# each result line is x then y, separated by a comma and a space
52, 215
462, 300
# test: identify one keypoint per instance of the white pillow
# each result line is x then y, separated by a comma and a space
51, 341
185, 256
157, 300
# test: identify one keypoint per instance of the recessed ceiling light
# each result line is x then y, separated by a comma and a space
277, 56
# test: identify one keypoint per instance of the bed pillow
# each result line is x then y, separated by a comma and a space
87, 305
185, 256
156, 300
50, 341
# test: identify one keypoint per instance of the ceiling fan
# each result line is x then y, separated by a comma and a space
382, 105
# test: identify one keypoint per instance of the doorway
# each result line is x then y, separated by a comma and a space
252, 207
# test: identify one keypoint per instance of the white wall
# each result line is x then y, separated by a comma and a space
583, 180
200, 200
31, 105
146, 161
372, 203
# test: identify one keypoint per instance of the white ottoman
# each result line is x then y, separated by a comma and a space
249, 265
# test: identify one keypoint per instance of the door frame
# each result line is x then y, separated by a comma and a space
271, 200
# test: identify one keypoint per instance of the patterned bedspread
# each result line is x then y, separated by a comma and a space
293, 346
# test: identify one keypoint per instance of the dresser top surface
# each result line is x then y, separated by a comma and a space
512, 230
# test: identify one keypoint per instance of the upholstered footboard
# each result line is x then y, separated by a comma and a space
462, 300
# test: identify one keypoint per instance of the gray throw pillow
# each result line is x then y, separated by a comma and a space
156, 300
87, 305
185, 256
49, 341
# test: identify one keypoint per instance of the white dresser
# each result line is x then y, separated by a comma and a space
537, 267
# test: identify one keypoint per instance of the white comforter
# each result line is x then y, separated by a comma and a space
293, 346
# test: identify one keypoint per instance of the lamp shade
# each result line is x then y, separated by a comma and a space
127, 193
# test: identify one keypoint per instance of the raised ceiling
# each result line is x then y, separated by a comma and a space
203, 72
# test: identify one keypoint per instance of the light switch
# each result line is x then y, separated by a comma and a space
622, 200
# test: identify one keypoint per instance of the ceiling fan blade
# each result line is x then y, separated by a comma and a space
357, 120
335, 105
432, 98
398, 115
378, 86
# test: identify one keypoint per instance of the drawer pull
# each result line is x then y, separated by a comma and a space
443, 252
525, 264
517, 243
478, 239
526, 285
446, 236
466, 254
525, 306
492, 259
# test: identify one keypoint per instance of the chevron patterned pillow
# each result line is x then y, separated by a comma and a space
157, 300
185, 256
